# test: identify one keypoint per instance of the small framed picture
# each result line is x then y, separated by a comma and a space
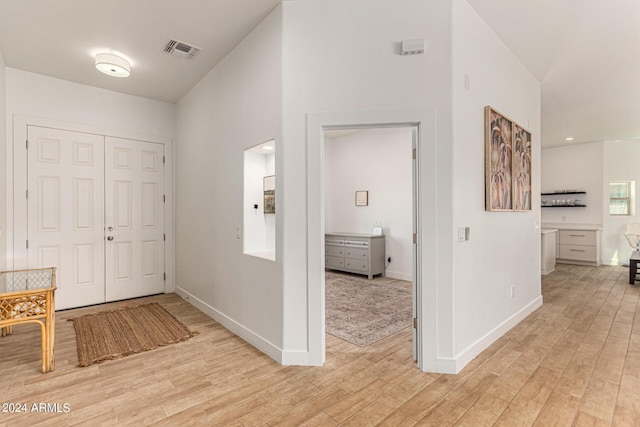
362, 198
377, 230
269, 188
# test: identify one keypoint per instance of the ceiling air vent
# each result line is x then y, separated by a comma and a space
181, 50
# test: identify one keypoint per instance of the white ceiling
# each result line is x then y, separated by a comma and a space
60, 38
585, 53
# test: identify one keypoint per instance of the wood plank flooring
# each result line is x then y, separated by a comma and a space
575, 361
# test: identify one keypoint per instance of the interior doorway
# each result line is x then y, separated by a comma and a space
425, 213
369, 226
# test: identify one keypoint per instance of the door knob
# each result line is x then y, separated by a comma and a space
109, 237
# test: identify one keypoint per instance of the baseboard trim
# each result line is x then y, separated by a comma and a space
241, 331
467, 355
398, 275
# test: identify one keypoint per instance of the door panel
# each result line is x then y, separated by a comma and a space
65, 211
134, 188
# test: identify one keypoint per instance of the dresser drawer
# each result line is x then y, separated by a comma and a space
356, 243
357, 265
356, 253
332, 261
578, 237
333, 241
334, 251
578, 253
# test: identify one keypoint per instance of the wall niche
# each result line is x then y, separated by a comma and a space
259, 201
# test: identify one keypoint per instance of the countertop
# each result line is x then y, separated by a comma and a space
570, 226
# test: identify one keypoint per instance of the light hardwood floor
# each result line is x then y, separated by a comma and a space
575, 361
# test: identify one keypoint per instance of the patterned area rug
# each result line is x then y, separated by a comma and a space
114, 334
364, 311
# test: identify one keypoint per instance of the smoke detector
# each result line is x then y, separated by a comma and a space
181, 50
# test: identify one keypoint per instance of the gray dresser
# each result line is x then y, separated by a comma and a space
355, 253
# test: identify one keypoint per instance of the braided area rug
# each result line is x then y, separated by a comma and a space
118, 333
364, 311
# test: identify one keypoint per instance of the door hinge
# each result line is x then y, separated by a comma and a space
415, 323
165, 276
164, 237
164, 199
415, 238
26, 194
27, 144
27, 244
413, 153
163, 160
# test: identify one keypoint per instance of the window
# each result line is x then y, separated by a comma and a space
620, 198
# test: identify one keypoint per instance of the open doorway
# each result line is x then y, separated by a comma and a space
369, 224
425, 214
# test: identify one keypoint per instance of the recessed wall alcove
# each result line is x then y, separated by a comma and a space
259, 201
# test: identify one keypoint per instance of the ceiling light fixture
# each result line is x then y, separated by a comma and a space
267, 147
112, 65
569, 138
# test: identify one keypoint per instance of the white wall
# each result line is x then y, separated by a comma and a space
341, 57
3, 163
504, 247
379, 161
47, 97
580, 167
591, 167
235, 106
620, 164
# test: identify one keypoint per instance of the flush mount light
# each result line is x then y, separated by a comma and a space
569, 138
112, 65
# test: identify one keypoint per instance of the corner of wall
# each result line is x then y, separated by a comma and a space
3, 162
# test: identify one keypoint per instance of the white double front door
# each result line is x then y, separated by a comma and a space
95, 209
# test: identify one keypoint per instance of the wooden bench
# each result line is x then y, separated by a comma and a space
27, 296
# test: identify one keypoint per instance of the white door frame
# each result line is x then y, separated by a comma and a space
16, 193
426, 247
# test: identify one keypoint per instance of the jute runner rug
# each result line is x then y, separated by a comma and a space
114, 334
364, 311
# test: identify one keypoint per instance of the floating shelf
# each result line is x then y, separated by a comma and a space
565, 206
564, 192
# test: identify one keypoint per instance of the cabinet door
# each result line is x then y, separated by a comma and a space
578, 253
578, 237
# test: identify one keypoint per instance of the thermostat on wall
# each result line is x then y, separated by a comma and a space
412, 47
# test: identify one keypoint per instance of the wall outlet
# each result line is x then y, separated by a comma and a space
237, 232
389, 259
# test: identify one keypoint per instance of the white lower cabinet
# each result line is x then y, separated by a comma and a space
576, 246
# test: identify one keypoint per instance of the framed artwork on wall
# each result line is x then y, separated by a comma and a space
362, 198
269, 188
498, 161
521, 171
